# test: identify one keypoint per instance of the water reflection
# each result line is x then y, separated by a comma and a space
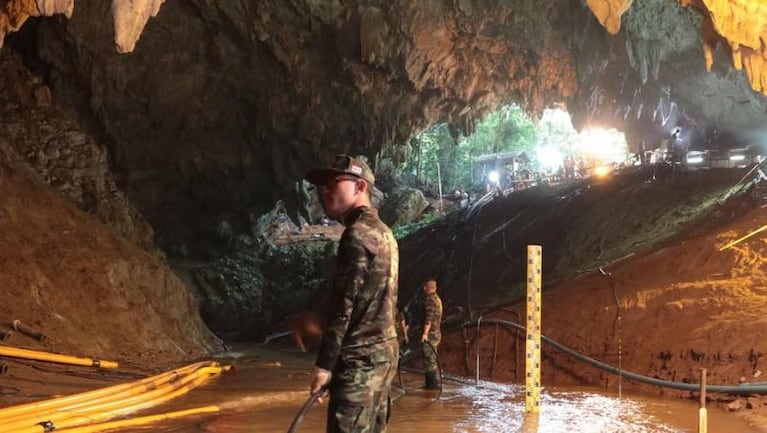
501, 408
263, 398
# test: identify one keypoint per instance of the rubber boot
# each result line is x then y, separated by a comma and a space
432, 380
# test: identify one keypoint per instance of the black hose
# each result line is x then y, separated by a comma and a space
744, 389
304, 410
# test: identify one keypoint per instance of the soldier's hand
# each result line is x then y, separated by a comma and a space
424, 338
320, 378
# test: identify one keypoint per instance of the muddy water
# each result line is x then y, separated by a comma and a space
264, 397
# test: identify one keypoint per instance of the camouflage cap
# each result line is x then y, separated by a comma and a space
342, 164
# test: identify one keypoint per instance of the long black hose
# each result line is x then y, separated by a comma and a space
744, 389
304, 410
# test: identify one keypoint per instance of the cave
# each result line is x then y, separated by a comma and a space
153, 155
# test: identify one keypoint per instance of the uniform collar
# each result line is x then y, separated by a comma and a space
354, 215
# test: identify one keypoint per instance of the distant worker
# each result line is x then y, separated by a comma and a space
432, 334
569, 167
358, 355
306, 328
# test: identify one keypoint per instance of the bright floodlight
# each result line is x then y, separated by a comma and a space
603, 145
694, 159
493, 176
601, 171
550, 157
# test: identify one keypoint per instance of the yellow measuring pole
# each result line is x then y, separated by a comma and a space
533, 326
702, 414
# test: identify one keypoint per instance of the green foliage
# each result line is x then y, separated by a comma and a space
506, 130
556, 128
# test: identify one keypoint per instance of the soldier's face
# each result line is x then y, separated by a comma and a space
430, 287
339, 195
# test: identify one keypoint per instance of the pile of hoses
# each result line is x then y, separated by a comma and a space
744, 389
89, 411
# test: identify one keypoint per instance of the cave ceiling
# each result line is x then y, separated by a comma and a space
211, 110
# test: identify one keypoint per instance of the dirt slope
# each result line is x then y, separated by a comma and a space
89, 290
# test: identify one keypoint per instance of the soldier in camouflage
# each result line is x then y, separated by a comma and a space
432, 334
358, 356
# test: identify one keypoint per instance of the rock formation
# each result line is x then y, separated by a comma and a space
740, 23
129, 17
223, 105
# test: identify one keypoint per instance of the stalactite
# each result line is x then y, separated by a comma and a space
51, 7
130, 17
609, 12
13, 14
742, 23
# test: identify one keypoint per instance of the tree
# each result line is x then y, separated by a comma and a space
507, 130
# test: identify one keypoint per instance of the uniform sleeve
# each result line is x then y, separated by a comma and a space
352, 266
430, 311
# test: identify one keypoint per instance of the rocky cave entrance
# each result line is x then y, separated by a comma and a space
150, 169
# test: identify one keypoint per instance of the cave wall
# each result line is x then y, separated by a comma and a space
223, 105
62, 152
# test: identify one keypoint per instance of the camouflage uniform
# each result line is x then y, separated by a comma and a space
432, 307
360, 343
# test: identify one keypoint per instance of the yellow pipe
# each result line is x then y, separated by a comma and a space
79, 419
15, 352
160, 391
98, 394
741, 239
73, 418
133, 422
72, 405
92, 411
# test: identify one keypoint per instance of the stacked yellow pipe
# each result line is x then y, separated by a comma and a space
84, 416
15, 352
149, 419
98, 405
98, 394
